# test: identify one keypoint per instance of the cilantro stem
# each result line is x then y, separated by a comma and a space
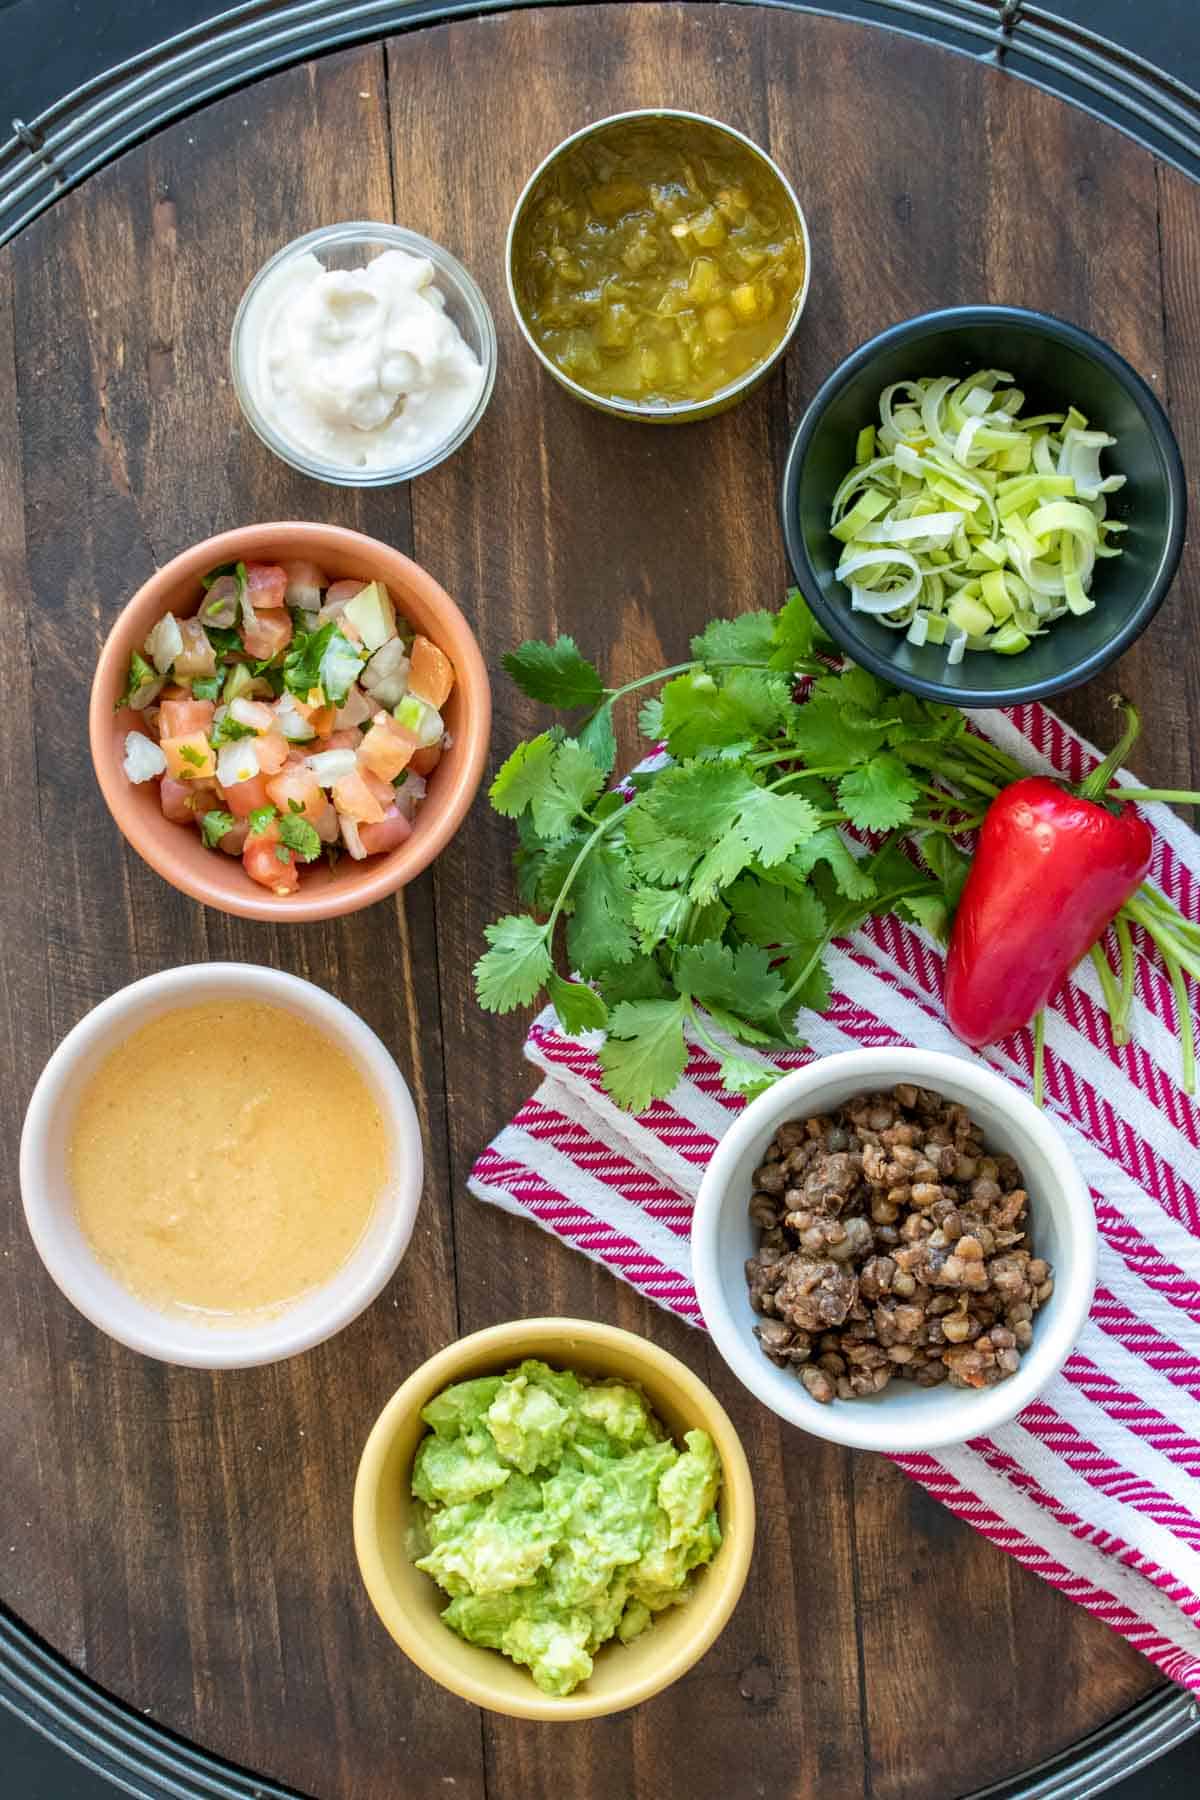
1039, 1057
1164, 935
1112, 996
1125, 942
611, 695
1175, 921
718, 1050
1173, 796
1187, 1041
983, 751
585, 851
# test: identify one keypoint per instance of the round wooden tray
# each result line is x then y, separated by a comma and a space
185, 1539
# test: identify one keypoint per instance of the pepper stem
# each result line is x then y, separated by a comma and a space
1094, 785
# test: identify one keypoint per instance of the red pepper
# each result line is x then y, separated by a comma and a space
1052, 868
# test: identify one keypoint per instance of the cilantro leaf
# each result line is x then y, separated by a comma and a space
720, 865
641, 979
300, 836
516, 966
574, 780
523, 775
324, 658
600, 930
543, 868
775, 824
141, 674
749, 638
650, 719
708, 921
206, 687
659, 854
658, 913
225, 640
578, 1006
879, 794
776, 917
598, 739
750, 1079
555, 673
189, 754
260, 818
214, 825
644, 1054
947, 863
701, 714
827, 733
739, 982
829, 847
227, 730
798, 637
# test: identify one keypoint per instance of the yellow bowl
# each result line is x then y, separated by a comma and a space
410, 1603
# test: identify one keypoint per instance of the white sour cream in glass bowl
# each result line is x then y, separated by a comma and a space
363, 354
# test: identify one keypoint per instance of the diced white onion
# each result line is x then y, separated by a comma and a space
237, 762
357, 708
144, 758
386, 675
294, 726
165, 643
350, 836
331, 765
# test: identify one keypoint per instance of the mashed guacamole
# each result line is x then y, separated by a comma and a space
559, 1514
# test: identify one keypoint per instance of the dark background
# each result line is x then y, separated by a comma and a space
48, 47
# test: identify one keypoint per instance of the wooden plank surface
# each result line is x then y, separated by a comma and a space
185, 1538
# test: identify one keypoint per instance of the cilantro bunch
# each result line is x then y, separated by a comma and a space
701, 892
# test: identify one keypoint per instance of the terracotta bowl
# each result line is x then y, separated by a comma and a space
176, 851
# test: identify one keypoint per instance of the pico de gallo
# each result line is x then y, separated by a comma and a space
290, 717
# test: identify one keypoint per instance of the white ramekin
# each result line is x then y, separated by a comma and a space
904, 1418
84, 1279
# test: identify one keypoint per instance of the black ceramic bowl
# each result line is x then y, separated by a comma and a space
1057, 365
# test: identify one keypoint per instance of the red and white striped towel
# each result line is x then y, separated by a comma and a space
1097, 1485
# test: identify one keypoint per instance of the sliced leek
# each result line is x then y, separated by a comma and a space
968, 527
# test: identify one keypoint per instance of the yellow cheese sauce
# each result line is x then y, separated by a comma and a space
226, 1158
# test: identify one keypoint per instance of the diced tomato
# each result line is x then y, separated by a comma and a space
327, 824
304, 583
341, 591
245, 797
272, 750
431, 675
383, 791
424, 762
355, 798
294, 788
234, 841
173, 691
322, 719
266, 584
270, 633
178, 718
197, 656
348, 739
190, 757
386, 833
386, 749
177, 799
272, 865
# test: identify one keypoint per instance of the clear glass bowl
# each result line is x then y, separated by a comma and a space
351, 246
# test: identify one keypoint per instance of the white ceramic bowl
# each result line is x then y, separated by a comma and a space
904, 1418
89, 1285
